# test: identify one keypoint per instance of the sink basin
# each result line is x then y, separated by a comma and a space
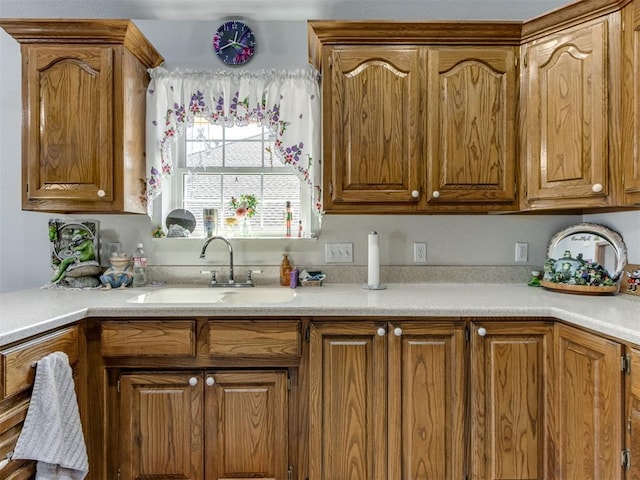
258, 295
236, 296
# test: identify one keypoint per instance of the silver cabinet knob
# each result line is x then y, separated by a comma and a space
381, 332
597, 188
436, 194
397, 331
101, 193
415, 194
193, 381
482, 331
210, 381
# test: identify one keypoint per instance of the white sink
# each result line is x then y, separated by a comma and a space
235, 296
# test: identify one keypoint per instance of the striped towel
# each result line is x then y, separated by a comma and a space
52, 433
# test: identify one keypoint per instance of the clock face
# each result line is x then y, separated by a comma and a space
234, 43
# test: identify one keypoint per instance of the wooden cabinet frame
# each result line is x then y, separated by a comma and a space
416, 119
497, 382
578, 152
83, 95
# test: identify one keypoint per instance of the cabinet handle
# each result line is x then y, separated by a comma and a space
193, 381
415, 194
210, 381
381, 332
482, 331
436, 194
101, 193
397, 331
596, 188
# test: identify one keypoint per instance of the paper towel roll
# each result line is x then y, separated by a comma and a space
373, 279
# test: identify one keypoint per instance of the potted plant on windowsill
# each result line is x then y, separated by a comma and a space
244, 208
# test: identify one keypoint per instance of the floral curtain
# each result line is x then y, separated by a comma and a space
288, 102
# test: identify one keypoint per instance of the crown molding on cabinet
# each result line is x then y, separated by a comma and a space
83, 31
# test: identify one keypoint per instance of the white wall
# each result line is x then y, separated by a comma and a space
451, 239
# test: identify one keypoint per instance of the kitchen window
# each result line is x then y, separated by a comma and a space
218, 163
215, 136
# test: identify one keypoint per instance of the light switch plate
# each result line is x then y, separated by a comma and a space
338, 252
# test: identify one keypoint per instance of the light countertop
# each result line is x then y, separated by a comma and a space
29, 312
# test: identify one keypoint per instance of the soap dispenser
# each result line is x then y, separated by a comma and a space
285, 271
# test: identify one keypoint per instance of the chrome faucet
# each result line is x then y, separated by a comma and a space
204, 249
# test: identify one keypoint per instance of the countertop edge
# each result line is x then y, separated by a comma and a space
622, 312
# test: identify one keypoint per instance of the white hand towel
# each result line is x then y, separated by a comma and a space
52, 433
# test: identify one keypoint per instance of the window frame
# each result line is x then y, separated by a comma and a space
176, 200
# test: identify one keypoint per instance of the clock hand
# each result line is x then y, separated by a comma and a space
230, 44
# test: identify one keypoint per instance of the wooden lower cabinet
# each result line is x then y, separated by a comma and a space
589, 406
197, 425
387, 400
512, 392
484, 400
633, 415
17, 376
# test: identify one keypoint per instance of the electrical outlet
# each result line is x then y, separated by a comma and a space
522, 251
419, 252
338, 252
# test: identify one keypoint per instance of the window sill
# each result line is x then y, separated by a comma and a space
168, 240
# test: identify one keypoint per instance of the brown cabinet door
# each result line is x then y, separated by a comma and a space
589, 406
246, 425
512, 365
633, 415
631, 104
371, 131
427, 385
566, 118
348, 411
471, 125
68, 123
161, 426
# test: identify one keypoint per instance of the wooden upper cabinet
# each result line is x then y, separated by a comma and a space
371, 124
84, 95
418, 116
566, 118
631, 105
471, 125
69, 116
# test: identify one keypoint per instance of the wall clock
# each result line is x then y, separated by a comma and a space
234, 42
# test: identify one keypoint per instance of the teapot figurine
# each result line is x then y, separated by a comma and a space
119, 274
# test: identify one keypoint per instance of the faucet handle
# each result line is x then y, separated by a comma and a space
251, 272
213, 280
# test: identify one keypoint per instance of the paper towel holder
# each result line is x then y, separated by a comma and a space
373, 264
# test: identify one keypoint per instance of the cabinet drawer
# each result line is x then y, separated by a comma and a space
16, 362
261, 338
148, 338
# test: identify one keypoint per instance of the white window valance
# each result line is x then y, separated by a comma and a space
288, 102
